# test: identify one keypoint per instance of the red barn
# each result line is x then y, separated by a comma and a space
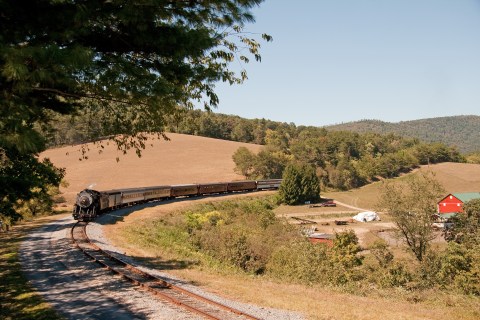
454, 202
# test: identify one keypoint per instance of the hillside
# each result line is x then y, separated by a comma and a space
459, 131
183, 159
190, 159
455, 177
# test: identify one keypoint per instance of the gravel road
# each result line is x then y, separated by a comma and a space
79, 289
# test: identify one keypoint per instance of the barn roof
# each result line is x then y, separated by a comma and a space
465, 197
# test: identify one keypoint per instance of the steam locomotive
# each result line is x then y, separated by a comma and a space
90, 203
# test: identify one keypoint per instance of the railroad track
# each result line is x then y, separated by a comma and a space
165, 290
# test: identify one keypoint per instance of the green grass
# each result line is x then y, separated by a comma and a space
18, 300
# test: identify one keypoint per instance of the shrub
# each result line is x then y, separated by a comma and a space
396, 275
460, 268
345, 249
304, 262
242, 234
382, 254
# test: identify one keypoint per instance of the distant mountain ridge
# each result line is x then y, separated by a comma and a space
460, 131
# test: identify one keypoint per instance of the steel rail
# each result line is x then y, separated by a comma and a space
164, 284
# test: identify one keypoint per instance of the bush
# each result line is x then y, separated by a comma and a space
345, 249
460, 268
396, 275
455, 268
242, 234
304, 262
381, 252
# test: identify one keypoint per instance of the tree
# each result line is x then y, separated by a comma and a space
269, 164
131, 62
473, 158
300, 184
412, 206
244, 161
243, 131
23, 178
466, 225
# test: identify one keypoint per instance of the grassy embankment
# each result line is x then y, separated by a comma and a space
18, 300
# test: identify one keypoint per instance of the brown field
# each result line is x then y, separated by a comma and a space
183, 159
188, 159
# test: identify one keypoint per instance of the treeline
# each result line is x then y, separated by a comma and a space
343, 159
93, 125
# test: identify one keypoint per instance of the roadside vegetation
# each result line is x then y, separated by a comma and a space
245, 237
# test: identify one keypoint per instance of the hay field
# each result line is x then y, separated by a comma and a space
183, 159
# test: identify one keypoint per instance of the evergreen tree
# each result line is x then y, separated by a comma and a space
300, 184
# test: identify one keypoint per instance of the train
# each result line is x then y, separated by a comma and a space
91, 203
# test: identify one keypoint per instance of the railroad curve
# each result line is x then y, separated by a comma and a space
166, 290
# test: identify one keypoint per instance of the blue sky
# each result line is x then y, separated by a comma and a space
334, 61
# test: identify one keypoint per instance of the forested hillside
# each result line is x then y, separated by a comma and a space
460, 131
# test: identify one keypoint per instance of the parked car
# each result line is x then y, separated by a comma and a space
328, 203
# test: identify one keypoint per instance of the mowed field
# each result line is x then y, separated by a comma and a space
184, 159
